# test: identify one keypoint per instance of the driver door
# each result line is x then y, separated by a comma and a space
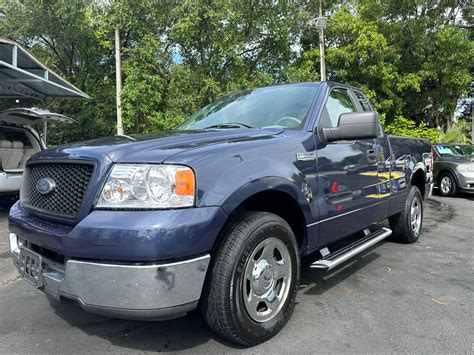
347, 175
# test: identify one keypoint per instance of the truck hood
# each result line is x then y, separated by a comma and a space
151, 148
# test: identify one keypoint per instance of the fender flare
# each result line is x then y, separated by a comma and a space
270, 183
419, 166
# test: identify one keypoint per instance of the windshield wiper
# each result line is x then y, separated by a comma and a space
229, 125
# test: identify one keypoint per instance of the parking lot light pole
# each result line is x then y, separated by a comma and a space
321, 24
472, 122
118, 82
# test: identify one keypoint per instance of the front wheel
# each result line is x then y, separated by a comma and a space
447, 185
251, 287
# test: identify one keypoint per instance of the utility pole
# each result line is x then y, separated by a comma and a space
321, 23
118, 82
472, 121
45, 133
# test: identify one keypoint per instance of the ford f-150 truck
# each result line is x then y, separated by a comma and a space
219, 212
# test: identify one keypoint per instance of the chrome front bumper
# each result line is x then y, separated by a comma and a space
466, 181
144, 292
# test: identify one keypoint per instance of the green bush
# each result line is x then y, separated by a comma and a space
402, 126
456, 134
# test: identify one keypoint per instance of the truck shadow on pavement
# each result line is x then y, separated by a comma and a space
462, 195
171, 335
4, 212
317, 282
469, 197
189, 331
439, 211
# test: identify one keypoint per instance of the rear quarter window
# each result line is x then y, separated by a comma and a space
14, 135
364, 101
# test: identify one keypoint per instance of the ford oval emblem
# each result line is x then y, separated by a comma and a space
45, 186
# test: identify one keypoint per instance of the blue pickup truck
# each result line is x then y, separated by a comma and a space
219, 212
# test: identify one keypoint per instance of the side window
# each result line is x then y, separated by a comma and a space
14, 135
339, 101
364, 102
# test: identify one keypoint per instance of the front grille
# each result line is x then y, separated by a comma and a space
70, 184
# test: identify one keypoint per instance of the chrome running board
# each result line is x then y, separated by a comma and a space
338, 257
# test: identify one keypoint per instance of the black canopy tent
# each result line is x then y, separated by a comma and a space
24, 76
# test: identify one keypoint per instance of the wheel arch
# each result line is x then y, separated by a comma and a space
418, 179
274, 195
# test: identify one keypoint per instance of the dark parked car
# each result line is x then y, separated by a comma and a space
219, 212
454, 168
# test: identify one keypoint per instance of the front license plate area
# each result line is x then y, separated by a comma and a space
30, 267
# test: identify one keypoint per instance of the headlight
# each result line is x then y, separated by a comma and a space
145, 186
465, 168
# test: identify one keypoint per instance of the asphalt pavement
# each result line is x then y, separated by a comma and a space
393, 298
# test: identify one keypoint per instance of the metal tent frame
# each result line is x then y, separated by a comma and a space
24, 76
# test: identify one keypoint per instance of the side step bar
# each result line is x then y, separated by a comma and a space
344, 254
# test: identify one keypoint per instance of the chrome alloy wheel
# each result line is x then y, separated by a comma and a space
267, 280
446, 184
415, 214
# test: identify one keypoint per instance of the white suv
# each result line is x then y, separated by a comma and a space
18, 142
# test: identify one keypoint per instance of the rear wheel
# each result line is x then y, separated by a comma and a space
251, 287
447, 184
406, 225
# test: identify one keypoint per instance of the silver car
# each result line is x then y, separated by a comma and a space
454, 168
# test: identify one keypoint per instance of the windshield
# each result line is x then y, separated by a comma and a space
271, 107
455, 150
467, 150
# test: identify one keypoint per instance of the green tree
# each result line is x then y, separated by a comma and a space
401, 126
206, 49
433, 48
413, 58
359, 53
63, 36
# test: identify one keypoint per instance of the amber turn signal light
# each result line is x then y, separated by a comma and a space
185, 183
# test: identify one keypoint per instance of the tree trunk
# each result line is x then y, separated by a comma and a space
450, 112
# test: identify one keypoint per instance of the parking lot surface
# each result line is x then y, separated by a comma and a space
392, 298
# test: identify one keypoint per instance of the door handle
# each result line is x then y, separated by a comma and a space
372, 156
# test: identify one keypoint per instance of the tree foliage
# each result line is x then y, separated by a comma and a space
457, 134
413, 58
407, 128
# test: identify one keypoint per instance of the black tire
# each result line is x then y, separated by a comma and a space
401, 223
451, 187
222, 301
